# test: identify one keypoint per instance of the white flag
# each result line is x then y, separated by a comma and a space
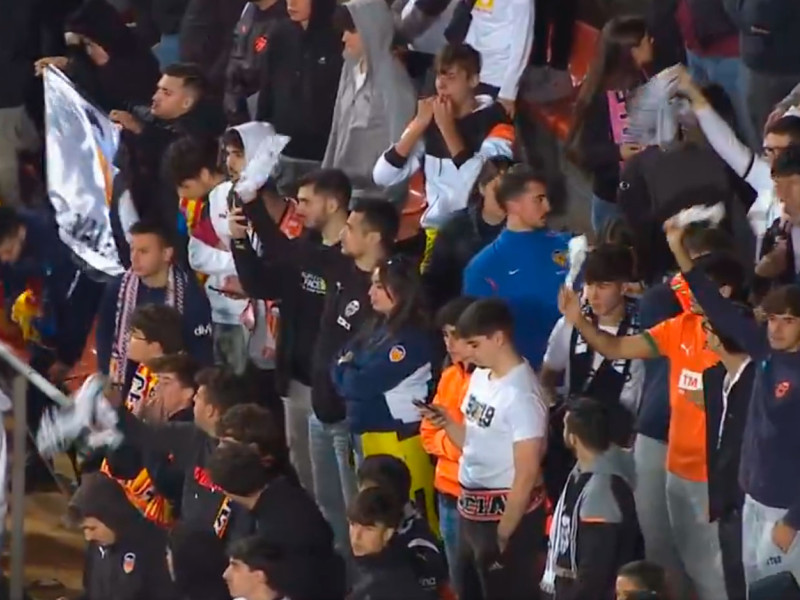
81, 143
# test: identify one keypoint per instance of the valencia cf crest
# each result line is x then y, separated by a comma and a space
560, 258
397, 354
128, 563
260, 44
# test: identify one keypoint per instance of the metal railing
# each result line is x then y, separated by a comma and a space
24, 375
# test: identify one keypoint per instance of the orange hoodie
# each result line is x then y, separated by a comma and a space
450, 392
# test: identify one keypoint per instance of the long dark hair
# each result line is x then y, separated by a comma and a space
613, 67
400, 277
494, 166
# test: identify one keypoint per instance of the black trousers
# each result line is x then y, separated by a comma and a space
482, 573
552, 30
730, 542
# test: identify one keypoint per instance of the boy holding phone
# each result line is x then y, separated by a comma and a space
450, 393
502, 439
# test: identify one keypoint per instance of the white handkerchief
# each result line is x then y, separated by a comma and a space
695, 214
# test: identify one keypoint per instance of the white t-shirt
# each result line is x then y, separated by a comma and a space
498, 413
557, 358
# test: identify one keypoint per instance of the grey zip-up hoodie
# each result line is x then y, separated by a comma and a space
370, 118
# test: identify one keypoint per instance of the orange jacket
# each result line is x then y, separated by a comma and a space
449, 393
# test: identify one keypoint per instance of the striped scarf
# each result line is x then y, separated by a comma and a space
126, 304
563, 537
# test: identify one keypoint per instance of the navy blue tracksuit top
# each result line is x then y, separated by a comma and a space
196, 321
769, 470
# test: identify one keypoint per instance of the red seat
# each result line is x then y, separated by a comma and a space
557, 116
414, 207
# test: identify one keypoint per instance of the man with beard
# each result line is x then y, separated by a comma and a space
180, 107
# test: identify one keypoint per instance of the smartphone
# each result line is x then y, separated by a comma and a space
424, 406
228, 293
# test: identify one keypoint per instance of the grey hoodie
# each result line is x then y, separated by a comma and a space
599, 500
369, 119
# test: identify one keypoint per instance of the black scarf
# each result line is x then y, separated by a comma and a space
608, 380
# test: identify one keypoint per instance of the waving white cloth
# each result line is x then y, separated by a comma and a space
261, 167
653, 110
577, 249
90, 412
696, 214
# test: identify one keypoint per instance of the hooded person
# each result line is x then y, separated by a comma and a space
197, 560
107, 60
376, 98
241, 145
125, 558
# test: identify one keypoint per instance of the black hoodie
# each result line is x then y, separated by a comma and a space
387, 575
134, 567
300, 79
131, 74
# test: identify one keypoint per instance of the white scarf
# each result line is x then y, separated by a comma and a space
563, 537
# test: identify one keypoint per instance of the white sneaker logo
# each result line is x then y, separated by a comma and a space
514, 272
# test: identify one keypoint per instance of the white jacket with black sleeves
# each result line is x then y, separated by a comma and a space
487, 132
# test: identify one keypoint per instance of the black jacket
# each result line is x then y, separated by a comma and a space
134, 567
300, 80
596, 149
427, 556
251, 38
324, 302
768, 34
656, 184
388, 575
600, 529
127, 461
15, 52
198, 563
206, 36
154, 197
294, 273
129, 77
287, 515
724, 493
202, 503
460, 238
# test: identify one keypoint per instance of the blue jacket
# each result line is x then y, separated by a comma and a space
69, 299
526, 269
768, 470
196, 322
385, 374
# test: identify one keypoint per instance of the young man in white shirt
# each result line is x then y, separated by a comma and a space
616, 383
503, 438
608, 268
